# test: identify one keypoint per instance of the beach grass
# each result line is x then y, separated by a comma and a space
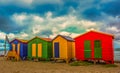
110, 65
80, 63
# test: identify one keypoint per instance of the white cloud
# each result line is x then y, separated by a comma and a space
36, 23
72, 35
21, 35
88, 24
2, 35
36, 29
11, 36
24, 35
26, 1
111, 25
53, 36
55, 30
48, 15
19, 19
90, 29
112, 29
26, 19
37, 19
65, 33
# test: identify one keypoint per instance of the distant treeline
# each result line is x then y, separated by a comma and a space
117, 49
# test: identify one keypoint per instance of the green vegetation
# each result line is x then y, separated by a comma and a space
80, 63
14, 60
43, 60
117, 49
85, 63
110, 65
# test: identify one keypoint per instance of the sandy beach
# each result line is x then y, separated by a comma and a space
50, 67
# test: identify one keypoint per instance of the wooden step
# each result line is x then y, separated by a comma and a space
13, 54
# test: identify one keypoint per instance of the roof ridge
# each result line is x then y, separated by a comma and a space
21, 40
40, 38
105, 33
65, 37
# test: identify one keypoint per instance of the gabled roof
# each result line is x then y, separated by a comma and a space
20, 40
96, 32
46, 39
65, 37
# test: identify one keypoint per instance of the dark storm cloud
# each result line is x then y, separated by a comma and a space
111, 8
5, 25
92, 14
96, 8
8, 26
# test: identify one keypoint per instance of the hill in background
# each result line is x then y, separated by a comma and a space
117, 49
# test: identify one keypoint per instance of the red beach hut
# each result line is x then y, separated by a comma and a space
95, 45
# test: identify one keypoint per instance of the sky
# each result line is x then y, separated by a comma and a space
25, 19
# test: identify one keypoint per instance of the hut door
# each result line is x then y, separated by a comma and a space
13, 47
39, 50
18, 49
33, 50
56, 50
87, 49
97, 49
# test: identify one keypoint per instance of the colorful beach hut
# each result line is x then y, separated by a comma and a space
19, 48
40, 48
63, 48
95, 45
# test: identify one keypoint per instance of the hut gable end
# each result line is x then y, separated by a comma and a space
19, 40
96, 32
59, 38
44, 39
64, 37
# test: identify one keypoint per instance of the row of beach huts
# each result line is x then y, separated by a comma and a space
92, 45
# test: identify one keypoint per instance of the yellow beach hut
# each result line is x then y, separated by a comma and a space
63, 48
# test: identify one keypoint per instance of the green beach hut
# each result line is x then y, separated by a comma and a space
40, 48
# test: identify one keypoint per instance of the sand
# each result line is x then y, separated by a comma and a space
50, 67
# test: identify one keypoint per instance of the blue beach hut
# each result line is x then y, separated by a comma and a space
20, 47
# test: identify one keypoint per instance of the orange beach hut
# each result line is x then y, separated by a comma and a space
63, 48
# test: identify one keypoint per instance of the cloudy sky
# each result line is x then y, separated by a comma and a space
28, 18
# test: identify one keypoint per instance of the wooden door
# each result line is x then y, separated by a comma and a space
33, 50
39, 50
13, 47
87, 49
97, 49
56, 49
